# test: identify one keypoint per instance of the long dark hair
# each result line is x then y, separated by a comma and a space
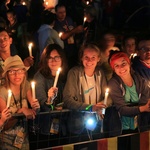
43, 65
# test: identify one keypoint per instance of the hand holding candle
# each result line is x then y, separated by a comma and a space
33, 89
105, 100
9, 98
56, 77
30, 48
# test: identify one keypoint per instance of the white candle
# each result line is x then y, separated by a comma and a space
56, 77
60, 34
9, 98
133, 55
84, 20
30, 48
105, 100
33, 89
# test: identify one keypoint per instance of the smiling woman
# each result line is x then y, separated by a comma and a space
129, 93
86, 85
84, 82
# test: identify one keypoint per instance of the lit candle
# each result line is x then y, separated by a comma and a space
56, 77
23, 3
105, 100
133, 55
46, 3
60, 34
9, 98
30, 48
84, 20
33, 89
87, 2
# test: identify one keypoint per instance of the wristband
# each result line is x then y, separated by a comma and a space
88, 108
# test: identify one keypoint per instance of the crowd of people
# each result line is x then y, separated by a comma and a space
90, 62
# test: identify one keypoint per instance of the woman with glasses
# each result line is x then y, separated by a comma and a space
52, 59
15, 80
47, 93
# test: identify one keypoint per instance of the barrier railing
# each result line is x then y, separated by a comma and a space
60, 128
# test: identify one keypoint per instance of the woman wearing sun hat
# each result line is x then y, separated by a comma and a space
130, 95
15, 75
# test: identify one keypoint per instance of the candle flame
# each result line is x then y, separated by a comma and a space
107, 90
87, 2
32, 84
23, 3
60, 34
46, 3
9, 92
30, 45
85, 19
59, 69
133, 55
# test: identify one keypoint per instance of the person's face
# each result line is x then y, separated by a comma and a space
121, 67
10, 17
61, 13
5, 42
54, 61
144, 50
109, 40
130, 46
16, 76
90, 58
144, 53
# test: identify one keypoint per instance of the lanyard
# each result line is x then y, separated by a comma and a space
19, 99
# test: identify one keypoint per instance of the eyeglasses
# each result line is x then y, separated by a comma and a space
56, 58
144, 49
13, 72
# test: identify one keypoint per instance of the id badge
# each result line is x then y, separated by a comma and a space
54, 126
71, 40
19, 139
135, 122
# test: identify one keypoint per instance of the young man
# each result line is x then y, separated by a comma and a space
66, 25
141, 63
6, 51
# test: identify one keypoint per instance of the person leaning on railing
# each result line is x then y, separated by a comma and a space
14, 133
86, 84
48, 94
130, 94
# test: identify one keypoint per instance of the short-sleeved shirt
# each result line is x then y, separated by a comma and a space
131, 96
15, 100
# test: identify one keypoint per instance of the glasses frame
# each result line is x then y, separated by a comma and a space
18, 71
56, 59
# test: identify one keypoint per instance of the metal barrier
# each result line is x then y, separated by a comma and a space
56, 128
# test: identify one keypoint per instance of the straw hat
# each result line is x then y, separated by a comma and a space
13, 62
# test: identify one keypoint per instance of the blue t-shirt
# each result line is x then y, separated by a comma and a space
131, 96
